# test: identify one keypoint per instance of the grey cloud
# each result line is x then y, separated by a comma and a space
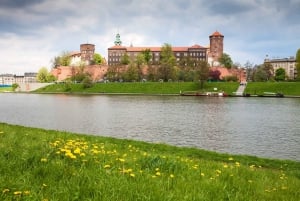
18, 3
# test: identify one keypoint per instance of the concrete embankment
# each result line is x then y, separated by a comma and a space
27, 87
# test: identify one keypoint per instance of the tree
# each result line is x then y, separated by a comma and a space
280, 74
125, 59
147, 55
226, 60
298, 64
214, 75
202, 71
42, 74
268, 68
166, 69
260, 74
132, 73
63, 60
97, 59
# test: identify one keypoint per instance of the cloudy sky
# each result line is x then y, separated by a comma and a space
33, 32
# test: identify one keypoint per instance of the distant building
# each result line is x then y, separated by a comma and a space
84, 56
9, 79
197, 52
288, 64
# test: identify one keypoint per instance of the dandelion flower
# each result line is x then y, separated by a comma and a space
5, 190
44, 160
132, 175
106, 166
17, 192
230, 159
202, 174
218, 171
171, 175
26, 192
225, 166
157, 174
156, 169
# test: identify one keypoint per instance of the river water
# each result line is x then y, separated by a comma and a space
265, 127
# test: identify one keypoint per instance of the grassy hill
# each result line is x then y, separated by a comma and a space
287, 88
38, 164
140, 88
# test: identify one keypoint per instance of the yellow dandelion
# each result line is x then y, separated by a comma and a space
156, 169
17, 192
225, 166
26, 192
237, 164
153, 176
231, 175
121, 159
132, 175
202, 174
106, 166
5, 190
250, 181
77, 151
230, 159
44, 185
171, 175
252, 166
218, 171
195, 167
283, 187
157, 174
44, 160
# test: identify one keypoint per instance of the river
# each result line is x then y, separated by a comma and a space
264, 127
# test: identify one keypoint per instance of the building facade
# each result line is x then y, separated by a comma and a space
288, 64
9, 79
196, 52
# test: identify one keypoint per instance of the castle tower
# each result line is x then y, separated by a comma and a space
216, 46
87, 52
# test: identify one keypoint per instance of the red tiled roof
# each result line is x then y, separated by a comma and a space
117, 47
156, 49
216, 33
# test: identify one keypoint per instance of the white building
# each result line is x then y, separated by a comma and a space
288, 64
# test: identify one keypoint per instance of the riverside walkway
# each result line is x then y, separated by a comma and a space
241, 89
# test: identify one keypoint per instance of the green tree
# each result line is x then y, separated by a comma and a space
132, 73
97, 59
166, 69
298, 64
202, 72
260, 74
42, 74
65, 59
225, 60
268, 68
280, 74
147, 55
125, 59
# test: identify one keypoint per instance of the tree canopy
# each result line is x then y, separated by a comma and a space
225, 60
97, 58
280, 74
298, 64
44, 76
166, 69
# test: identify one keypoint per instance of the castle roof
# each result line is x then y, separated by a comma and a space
216, 33
156, 49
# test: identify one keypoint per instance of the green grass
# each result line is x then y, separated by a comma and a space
4, 89
287, 88
37, 164
140, 88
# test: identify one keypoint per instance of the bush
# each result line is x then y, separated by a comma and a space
87, 82
14, 86
230, 78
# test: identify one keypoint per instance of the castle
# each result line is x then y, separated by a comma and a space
210, 54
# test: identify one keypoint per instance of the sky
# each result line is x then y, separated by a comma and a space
33, 32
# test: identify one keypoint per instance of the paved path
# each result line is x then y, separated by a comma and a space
240, 90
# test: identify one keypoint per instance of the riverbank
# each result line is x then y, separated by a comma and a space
39, 164
254, 89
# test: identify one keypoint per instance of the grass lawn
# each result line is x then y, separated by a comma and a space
37, 164
4, 89
287, 88
140, 88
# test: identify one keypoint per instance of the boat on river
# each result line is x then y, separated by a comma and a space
209, 94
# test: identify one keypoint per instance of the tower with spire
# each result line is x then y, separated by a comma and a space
118, 41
